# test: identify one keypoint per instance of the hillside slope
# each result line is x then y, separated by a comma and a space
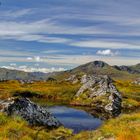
102, 68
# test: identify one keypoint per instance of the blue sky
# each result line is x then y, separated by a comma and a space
54, 35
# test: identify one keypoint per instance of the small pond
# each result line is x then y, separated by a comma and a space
75, 119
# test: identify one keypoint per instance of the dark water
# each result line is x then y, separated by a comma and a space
75, 119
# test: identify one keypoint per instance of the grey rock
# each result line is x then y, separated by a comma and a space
31, 112
26, 81
99, 64
73, 79
99, 86
136, 82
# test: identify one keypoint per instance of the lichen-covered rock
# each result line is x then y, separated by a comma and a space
32, 113
101, 88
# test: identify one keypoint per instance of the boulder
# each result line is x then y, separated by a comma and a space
34, 114
101, 86
73, 79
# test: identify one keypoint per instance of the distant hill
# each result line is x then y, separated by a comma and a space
102, 68
135, 69
95, 67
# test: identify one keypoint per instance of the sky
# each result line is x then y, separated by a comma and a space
56, 35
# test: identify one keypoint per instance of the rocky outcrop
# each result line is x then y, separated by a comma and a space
73, 79
101, 87
32, 113
136, 82
99, 64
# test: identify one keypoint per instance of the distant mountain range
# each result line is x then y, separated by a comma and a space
95, 67
7, 74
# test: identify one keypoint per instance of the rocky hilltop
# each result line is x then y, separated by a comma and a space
98, 91
101, 67
29, 111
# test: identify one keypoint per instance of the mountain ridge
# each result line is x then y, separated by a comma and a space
95, 67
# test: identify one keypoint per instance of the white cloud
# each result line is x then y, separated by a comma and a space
37, 58
29, 58
105, 44
34, 69
37, 65
38, 30
12, 52
20, 13
15, 13
107, 52
74, 60
13, 64
31, 31
114, 23
38, 38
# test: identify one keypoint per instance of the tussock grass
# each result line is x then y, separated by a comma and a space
51, 90
130, 93
14, 128
125, 127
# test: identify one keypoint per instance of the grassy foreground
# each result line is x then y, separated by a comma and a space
14, 128
125, 127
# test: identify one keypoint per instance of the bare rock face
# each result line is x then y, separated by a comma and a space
32, 113
99, 87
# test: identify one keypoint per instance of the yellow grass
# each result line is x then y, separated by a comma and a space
14, 128
125, 127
